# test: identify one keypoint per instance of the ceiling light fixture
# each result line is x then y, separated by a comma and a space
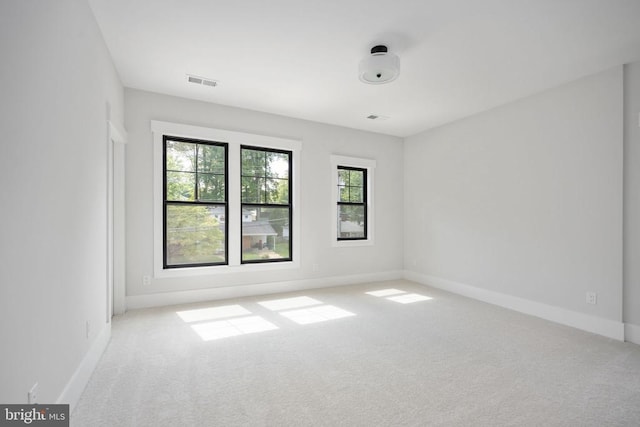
379, 67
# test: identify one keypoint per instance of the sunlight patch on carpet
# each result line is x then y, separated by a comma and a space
287, 303
227, 328
385, 292
316, 314
398, 295
409, 298
200, 314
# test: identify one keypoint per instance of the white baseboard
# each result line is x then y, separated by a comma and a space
212, 294
632, 333
593, 324
80, 378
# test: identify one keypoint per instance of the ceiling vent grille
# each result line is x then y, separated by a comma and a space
201, 81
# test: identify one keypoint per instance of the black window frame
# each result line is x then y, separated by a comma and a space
289, 205
195, 202
363, 203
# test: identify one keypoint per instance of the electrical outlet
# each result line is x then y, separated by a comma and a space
32, 395
146, 280
592, 298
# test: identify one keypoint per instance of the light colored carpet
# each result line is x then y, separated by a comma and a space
349, 358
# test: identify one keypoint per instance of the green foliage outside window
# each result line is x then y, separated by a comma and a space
194, 172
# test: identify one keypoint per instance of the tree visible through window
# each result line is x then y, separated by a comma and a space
195, 202
352, 203
266, 204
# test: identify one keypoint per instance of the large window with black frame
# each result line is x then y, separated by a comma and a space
266, 204
195, 202
352, 203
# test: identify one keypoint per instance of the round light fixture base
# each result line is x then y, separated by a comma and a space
380, 67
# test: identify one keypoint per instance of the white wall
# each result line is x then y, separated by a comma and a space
524, 200
632, 200
319, 141
56, 80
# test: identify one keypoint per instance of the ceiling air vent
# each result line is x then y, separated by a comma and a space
201, 81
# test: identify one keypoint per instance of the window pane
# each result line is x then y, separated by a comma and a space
253, 163
194, 235
181, 186
181, 156
265, 181
253, 190
351, 221
277, 165
356, 178
265, 234
356, 194
211, 187
343, 193
278, 191
343, 177
351, 185
211, 159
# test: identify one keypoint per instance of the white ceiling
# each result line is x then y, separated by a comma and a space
299, 58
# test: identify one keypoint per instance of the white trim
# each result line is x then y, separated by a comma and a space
369, 165
356, 162
117, 133
234, 139
211, 294
80, 378
632, 333
226, 269
586, 322
110, 225
117, 138
224, 135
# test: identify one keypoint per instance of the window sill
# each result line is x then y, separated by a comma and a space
225, 269
352, 243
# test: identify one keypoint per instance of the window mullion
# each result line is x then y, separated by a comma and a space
195, 169
265, 178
